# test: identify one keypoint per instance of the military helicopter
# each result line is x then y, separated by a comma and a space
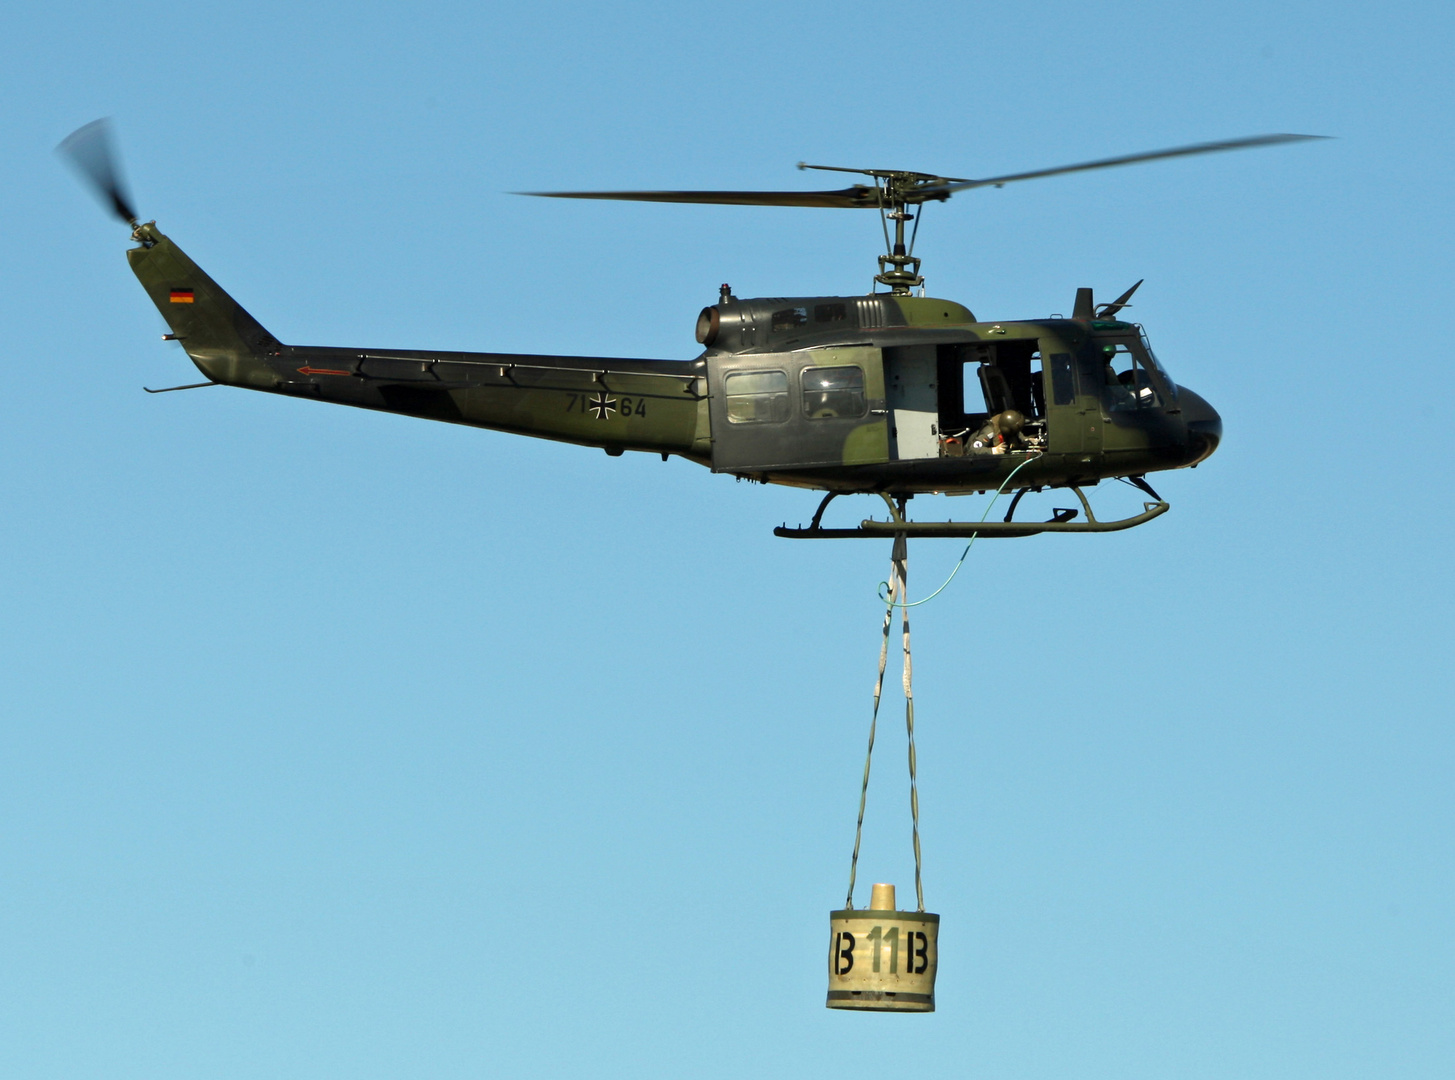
890, 393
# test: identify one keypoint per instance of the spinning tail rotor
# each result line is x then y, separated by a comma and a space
89, 150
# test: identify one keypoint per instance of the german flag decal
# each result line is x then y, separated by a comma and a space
181, 296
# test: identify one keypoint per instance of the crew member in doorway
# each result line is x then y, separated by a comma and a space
1001, 433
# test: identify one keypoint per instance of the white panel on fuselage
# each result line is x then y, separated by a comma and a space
914, 410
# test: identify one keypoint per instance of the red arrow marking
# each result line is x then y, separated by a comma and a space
321, 371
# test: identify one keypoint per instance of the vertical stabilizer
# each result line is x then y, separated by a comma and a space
222, 339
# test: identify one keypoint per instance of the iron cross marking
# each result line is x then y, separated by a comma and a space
602, 406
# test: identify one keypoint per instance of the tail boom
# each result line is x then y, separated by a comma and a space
617, 404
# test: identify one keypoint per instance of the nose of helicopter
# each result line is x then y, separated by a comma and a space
1204, 426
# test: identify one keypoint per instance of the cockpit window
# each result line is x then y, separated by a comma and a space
1128, 385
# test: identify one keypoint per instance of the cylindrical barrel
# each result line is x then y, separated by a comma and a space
883, 960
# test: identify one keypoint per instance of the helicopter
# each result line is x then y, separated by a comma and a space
892, 393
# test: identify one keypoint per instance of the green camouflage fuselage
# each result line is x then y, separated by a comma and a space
834, 393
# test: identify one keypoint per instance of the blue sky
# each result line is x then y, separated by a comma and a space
341, 744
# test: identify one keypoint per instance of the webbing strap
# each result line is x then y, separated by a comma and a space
873, 723
898, 585
901, 569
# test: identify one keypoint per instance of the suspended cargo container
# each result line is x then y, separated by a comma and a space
881, 959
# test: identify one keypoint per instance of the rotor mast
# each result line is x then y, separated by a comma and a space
900, 280
895, 192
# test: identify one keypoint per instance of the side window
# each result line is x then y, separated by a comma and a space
756, 397
789, 319
1063, 384
833, 392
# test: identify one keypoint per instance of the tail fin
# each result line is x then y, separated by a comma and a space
223, 340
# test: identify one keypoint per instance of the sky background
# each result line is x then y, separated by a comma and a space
342, 744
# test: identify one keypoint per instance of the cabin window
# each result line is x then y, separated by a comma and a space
833, 393
789, 319
1063, 385
756, 397
830, 313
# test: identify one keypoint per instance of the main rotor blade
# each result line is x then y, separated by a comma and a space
1126, 159
860, 196
90, 152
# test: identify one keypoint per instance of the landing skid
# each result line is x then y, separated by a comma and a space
1060, 522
